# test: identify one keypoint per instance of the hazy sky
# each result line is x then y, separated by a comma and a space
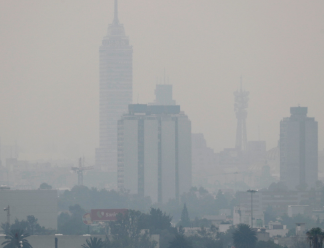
49, 63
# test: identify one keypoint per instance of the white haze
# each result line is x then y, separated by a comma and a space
49, 66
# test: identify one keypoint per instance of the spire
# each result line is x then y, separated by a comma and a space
116, 21
241, 82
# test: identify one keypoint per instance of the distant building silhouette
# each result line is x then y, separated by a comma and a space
116, 59
205, 163
163, 95
299, 149
154, 152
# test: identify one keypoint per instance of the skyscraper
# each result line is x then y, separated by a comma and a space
299, 149
116, 73
154, 152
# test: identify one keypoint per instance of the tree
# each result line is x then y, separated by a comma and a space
127, 233
244, 237
16, 237
72, 224
45, 186
158, 220
32, 222
185, 220
93, 243
315, 237
180, 241
19, 225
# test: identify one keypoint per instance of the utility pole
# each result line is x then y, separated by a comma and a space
8, 216
252, 191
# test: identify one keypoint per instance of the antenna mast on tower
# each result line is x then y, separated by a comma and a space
241, 103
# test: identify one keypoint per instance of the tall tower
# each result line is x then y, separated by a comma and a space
241, 103
116, 76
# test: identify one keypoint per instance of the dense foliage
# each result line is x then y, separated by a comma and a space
244, 237
71, 223
95, 243
29, 226
315, 236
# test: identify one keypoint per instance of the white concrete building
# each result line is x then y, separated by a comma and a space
277, 229
154, 151
40, 203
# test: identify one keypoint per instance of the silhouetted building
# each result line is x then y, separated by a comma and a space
154, 152
163, 95
205, 162
298, 149
116, 56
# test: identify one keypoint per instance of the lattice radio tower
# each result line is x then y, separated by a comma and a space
241, 103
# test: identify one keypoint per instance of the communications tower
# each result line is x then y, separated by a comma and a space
240, 107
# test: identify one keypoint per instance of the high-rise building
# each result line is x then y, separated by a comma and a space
116, 59
299, 149
154, 152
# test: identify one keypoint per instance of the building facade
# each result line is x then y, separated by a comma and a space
299, 149
154, 152
116, 59
40, 203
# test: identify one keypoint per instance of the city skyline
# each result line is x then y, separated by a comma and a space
49, 67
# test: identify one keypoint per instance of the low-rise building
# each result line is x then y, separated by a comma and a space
294, 210
277, 229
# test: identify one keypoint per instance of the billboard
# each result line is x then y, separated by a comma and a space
106, 214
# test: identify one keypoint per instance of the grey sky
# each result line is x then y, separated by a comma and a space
49, 65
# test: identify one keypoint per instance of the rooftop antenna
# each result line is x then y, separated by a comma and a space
241, 82
116, 12
164, 75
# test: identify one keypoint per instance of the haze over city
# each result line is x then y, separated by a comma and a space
49, 67
161, 124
